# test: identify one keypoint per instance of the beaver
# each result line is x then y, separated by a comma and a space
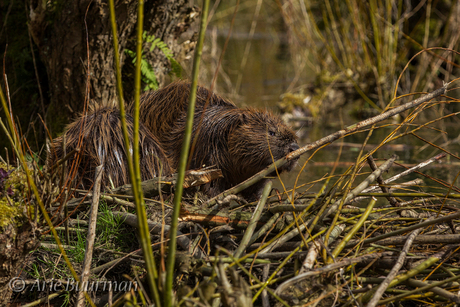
239, 141
102, 143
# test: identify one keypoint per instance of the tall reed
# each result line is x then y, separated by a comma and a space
133, 161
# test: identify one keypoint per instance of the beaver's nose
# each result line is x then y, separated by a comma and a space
293, 147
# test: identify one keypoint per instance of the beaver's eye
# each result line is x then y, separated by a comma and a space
271, 133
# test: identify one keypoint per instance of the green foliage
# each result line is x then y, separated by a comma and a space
34, 158
35, 271
111, 235
66, 299
147, 70
13, 187
79, 242
176, 69
44, 260
110, 229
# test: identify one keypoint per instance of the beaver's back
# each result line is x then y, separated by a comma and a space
100, 139
159, 110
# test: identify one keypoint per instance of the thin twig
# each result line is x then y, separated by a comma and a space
45, 299
353, 231
90, 237
381, 182
328, 268
410, 170
377, 294
255, 218
384, 167
407, 229
423, 287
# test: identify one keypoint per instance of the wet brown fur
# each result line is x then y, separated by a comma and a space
160, 110
102, 143
238, 141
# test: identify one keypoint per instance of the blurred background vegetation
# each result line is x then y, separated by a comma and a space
341, 52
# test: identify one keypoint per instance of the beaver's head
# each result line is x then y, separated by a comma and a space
260, 139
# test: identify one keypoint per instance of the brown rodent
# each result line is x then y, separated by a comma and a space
240, 142
100, 139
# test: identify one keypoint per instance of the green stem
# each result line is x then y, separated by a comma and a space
403, 277
353, 231
137, 90
424, 289
254, 277
133, 167
413, 195
255, 218
183, 160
